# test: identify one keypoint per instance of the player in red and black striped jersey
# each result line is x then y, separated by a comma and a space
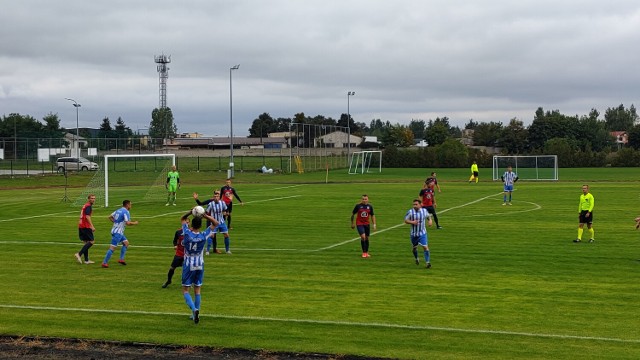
364, 216
86, 230
428, 196
178, 258
227, 193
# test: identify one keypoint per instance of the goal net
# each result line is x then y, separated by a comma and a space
361, 162
140, 176
540, 167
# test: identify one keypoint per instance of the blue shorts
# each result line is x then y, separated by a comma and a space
222, 227
419, 240
117, 239
508, 188
364, 229
192, 277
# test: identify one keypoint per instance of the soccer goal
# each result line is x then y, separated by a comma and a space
540, 167
159, 182
361, 161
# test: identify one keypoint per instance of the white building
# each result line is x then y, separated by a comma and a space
337, 139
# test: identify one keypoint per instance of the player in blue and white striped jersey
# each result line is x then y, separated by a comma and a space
120, 218
217, 209
508, 179
418, 217
193, 266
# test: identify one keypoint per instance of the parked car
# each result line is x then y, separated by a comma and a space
75, 164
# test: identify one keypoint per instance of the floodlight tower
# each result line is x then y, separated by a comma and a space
163, 71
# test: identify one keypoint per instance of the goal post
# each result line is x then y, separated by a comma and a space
361, 161
529, 167
172, 157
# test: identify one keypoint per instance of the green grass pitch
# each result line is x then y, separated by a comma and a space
507, 282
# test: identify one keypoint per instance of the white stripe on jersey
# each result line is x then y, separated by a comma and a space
120, 218
216, 209
194, 244
509, 177
421, 215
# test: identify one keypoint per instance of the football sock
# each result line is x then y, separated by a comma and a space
580, 230
168, 197
123, 250
108, 256
227, 241
170, 274
509, 197
362, 245
197, 302
435, 218
504, 198
415, 253
85, 250
189, 301
476, 180
229, 220
366, 245
214, 241
427, 256
591, 233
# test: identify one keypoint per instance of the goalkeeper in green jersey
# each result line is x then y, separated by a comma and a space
585, 210
172, 186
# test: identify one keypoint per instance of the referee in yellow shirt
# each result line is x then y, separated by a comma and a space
585, 208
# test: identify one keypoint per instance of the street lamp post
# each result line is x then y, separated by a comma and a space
76, 105
349, 94
236, 67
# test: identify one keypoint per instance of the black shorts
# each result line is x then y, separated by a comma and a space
584, 219
431, 209
177, 262
364, 229
229, 207
475, 174
85, 234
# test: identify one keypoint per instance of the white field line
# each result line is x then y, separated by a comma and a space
41, 215
330, 322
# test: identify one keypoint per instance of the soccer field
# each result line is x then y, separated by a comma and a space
507, 281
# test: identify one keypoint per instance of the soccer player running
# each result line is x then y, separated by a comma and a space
120, 219
86, 230
474, 172
228, 193
428, 196
172, 186
193, 265
178, 258
509, 178
417, 216
585, 209
365, 216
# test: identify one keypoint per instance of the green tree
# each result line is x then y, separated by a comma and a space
437, 131
162, 125
261, 126
634, 137
122, 130
549, 125
452, 153
487, 134
620, 119
514, 137
417, 127
592, 133
564, 148
397, 136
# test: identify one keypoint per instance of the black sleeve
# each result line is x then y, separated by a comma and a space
516, 179
176, 237
236, 194
203, 203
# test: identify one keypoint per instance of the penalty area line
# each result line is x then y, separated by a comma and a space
332, 322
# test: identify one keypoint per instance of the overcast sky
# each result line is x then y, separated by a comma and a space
405, 59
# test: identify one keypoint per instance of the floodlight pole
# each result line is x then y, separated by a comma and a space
236, 67
76, 105
349, 94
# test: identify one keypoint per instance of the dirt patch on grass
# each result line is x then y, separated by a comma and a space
12, 347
